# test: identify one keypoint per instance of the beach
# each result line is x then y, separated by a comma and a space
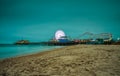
76, 60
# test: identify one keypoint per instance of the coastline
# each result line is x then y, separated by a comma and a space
42, 52
13, 51
83, 60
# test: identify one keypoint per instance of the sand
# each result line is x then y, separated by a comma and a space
77, 60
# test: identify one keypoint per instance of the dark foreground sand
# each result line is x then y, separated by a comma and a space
78, 60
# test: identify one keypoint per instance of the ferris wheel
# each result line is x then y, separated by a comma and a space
59, 34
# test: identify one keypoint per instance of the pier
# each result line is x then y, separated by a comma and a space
60, 39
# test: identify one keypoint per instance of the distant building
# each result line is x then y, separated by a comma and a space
22, 42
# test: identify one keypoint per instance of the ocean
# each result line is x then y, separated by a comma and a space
9, 51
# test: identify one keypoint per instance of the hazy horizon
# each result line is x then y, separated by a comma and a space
37, 20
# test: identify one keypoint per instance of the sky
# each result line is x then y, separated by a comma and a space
37, 20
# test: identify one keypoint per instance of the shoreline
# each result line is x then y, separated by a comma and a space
47, 48
44, 52
84, 60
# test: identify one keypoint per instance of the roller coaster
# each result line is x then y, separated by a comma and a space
102, 38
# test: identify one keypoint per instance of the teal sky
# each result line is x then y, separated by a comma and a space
37, 20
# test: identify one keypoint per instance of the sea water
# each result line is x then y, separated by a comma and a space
8, 51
